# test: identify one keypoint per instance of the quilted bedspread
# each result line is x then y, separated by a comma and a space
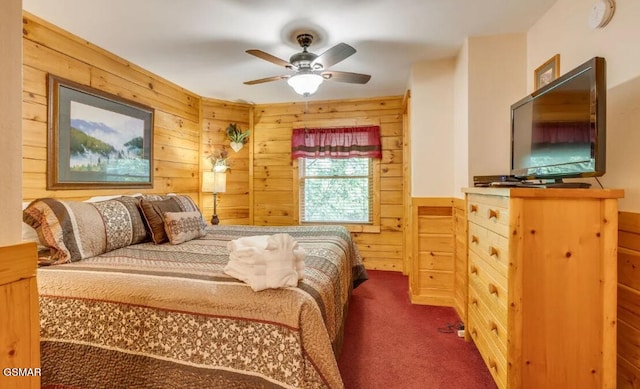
167, 316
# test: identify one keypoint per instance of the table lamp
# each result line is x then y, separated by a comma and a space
214, 182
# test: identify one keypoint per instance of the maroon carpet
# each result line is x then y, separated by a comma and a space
390, 343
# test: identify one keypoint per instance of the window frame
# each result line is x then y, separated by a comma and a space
374, 226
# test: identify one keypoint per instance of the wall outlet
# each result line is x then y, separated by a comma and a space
461, 333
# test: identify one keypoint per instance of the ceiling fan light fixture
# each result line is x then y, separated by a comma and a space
305, 84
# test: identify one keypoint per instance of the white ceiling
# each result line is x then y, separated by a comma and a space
200, 44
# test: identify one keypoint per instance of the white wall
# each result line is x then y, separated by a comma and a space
10, 121
432, 128
461, 114
461, 120
497, 68
491, 73
564, 30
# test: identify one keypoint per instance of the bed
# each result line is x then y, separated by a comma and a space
148, 315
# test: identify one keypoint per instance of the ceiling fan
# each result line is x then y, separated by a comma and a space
311, 69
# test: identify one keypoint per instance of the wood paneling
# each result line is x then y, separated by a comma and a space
19, 323
629, 301
273, 179
234, 205
432, 277
460, 297
49, 49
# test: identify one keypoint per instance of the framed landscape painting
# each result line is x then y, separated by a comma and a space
547, 72
97, 140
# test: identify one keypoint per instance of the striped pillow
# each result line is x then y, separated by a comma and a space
74, 230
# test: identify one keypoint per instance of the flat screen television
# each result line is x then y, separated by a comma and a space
559, 131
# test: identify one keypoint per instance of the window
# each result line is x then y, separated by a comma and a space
338, 176
336, 190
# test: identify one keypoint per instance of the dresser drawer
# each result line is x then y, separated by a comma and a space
489, 285
490, 246
491, 212
494, 359
487, 320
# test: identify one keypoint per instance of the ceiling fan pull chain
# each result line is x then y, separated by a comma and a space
304, 113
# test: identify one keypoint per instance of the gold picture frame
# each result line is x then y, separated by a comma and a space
97, 140
547, 72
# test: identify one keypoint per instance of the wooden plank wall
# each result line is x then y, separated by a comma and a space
49, 49
234, 205
439, 253
406, 183
432, 278
461, 260
629, 301
19, 315
273, 181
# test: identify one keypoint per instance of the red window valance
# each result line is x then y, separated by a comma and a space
336, 142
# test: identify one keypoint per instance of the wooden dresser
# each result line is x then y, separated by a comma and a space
542, 285
19, 317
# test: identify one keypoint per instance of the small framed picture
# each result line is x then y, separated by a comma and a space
547, 72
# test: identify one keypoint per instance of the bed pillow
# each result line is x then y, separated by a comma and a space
153, 212
74, 230
184, 226
139, 232
186, 203
29, 234
96, 199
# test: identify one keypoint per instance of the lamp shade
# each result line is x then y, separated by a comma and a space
214, 182
208, 179
219, 182
305, 84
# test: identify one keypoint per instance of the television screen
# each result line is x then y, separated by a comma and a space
559, 130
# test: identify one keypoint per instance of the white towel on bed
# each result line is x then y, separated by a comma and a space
257, 241
276, 264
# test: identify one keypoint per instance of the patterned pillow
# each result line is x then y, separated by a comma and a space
184, 226
186, 203
153, 212
75, 230
139, 228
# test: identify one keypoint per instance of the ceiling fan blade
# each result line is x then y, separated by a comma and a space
273, 59
353, 78
334, 55
268, 79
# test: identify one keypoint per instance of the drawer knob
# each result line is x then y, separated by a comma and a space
494, 252
474, 302
493, 289
474, 270
493, 365
474, 239
473, 208
493, 214
494, 327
